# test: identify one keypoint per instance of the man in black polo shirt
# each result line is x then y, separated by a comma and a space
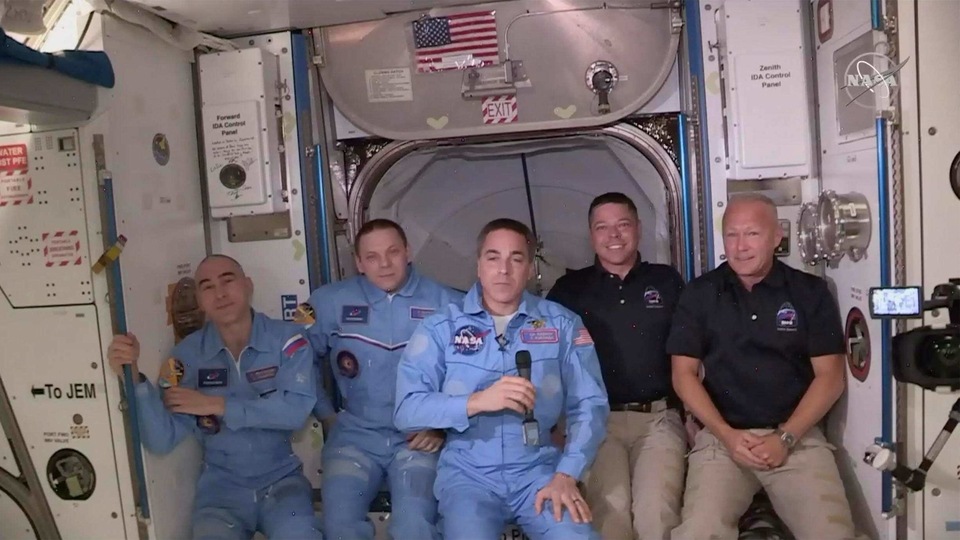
627, 305
770, 342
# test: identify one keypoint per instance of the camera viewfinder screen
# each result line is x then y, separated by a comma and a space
896, 302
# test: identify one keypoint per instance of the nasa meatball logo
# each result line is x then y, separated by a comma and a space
652, 298
348, 365
871, 80
786, 317
469, 340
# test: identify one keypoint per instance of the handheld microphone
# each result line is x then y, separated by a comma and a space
531, 428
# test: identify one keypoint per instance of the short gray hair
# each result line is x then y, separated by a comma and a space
509, 225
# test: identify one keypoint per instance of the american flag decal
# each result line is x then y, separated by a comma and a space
456, 41
583, 337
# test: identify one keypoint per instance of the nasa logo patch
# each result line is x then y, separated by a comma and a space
786, 317
652, 298
469, 340
348, 364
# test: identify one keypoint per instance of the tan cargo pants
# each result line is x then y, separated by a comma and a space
806, 491
638, 473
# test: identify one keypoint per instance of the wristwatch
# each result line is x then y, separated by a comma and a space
787, 438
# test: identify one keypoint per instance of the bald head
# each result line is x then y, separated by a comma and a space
752, 202
751, 234
222, 260
224, 292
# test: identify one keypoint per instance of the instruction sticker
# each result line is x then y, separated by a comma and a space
61, 248
499, 109
388, 85
15, 189
232, 137
56, 437
235, 134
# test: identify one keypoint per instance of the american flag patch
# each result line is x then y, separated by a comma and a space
456, 41
294, 344
583, 338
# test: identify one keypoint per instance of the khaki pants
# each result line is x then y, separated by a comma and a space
638, 471
806, 491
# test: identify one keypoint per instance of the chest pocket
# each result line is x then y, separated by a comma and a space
463, 378
548, 379
263, 380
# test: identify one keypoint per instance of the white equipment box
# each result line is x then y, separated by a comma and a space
240, 133
768, 99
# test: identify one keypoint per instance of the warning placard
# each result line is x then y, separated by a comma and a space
15, 184
15, 190
499, 109
13, 157
61, 248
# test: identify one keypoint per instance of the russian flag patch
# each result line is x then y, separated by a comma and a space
294, 344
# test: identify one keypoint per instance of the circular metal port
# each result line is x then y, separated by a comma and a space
232, 176
844, 225
808, 239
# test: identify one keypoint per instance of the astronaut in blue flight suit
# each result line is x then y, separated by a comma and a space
242, 385
362, 325
459, 373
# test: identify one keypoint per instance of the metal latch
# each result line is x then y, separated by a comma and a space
501, 80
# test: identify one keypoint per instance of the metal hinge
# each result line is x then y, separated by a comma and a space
319, 54
890, 25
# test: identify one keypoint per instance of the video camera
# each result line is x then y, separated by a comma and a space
927, 357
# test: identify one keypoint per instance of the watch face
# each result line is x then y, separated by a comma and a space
788, 439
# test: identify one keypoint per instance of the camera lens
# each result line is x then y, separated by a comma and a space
940, 356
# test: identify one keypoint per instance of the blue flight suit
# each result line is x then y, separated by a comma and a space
363, 332
486, 475
251, 479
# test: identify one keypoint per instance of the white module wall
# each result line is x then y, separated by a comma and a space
240, 134
849, 164
45, 256
63, 410
7, 460
766, 88
49, 323
939, 133
16, 525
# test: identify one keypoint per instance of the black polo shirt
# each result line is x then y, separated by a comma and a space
629, 321
756, 345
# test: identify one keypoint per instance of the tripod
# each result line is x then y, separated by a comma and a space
883, 457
